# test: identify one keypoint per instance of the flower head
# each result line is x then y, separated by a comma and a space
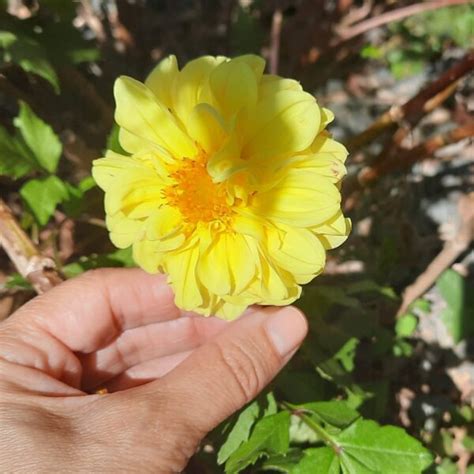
230, 185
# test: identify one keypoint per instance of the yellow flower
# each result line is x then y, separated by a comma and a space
231, 186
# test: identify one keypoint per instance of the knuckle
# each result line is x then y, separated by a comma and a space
246, 366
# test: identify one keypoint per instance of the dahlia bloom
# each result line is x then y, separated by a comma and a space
230, 185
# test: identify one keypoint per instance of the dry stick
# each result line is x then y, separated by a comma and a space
407, 158
425, 101
451, 251
358, 29
40, 271
274, 54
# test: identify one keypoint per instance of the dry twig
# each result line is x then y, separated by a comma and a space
407, 158
274, 54
40, 271
358, 29
412, 111
451, 251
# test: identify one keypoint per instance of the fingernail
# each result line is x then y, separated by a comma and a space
286, 328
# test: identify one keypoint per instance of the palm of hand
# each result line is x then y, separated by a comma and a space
96, 332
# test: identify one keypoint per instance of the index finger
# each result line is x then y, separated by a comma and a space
88, 311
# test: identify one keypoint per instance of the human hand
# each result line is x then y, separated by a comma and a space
171, 376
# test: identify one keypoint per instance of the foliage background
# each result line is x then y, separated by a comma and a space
365, 365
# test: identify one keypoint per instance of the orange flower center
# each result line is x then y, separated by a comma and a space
196, 196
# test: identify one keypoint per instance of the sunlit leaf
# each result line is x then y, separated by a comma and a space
40, 138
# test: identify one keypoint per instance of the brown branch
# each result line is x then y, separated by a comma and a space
424, 102
358, 29
40, 271
405, 159
275, 35
451, 251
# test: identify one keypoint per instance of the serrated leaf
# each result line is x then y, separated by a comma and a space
310, 461
283, 462
40, 138
15, 159
366, 447
43, 195
335, 413
269, 436
29, 55
240, 432
317, 461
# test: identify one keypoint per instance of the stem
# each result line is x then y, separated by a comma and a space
318, 429
395, 15
40, 271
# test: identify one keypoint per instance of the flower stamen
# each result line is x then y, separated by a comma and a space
194, 193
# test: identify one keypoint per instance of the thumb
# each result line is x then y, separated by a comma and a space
230, 370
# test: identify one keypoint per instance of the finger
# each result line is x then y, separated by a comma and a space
144, 373
87, 312
232, 368
145, 343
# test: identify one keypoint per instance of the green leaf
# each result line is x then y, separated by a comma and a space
40, 137
269, 436
318, 461
335, 413
29, 55
366, 447
15, 158
447, 467
43, 195
119, 258
113, 141
15, 280
240, 432
459, 304
406, 325
310, 461
283, 462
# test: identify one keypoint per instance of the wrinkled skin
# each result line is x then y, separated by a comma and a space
171, 377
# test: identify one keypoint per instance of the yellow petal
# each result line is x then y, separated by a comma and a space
114, 166
229, 311
324, 144
333, 232
147, 255
271, 84
226, 162
206, 127
130, 192
142, 115
300, 199
161, 80
336, 225
135, 144
324, 164
298, 251
124, 231
234, 86
256, 64
181, 268
189, 84
226, 266
286, 122
165, 227
326, 118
